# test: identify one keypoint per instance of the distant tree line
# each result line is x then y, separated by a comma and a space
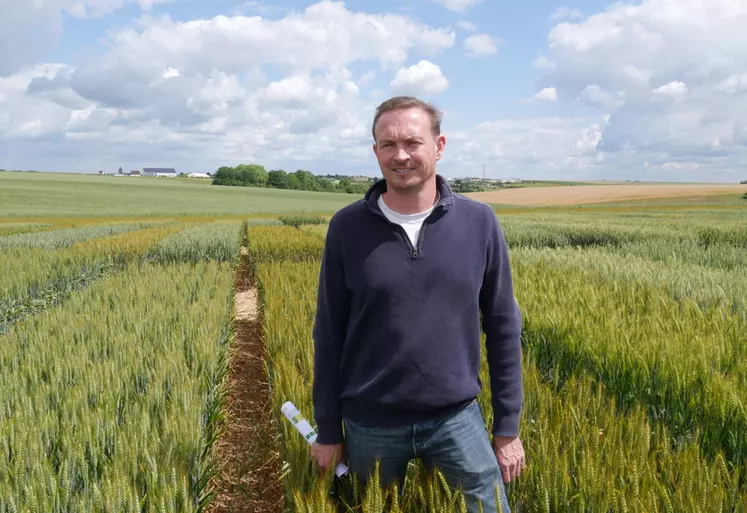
255, 175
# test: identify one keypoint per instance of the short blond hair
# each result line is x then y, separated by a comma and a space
408, 102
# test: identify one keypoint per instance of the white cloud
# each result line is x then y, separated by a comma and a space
28, 28
31, 115
459, 6
199, 122
423, 78
467, 25
481, 45
670, 73
675, 90
596, 96
667, 79
543, 63
735, 84
197, 91
527, 147
21, 39
325, 34
547, 94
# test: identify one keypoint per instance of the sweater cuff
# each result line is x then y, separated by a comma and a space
506, 426
329, 431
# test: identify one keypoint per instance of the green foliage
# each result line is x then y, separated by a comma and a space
34, 278
15, 309
111, 389
112, 401
254, 175
729, 235
217, 241
302, 220
75, 269
248, 175
12, 228
280, 243
54, 239
647, 348
586, 450
464, 186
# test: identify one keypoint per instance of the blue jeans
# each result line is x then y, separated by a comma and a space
458, 445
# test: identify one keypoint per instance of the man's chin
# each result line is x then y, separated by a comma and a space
405, 186
404, 182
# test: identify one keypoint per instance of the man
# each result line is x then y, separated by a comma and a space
405, 274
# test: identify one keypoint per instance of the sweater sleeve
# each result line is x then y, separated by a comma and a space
502, 324
333, 303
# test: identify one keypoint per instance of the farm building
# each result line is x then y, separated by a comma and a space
159, 171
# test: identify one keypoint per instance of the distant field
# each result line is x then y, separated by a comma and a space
679, 201
44, 195
592, 194
547, 183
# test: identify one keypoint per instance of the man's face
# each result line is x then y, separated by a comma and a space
406, 149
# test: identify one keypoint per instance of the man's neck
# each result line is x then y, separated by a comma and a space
411, 202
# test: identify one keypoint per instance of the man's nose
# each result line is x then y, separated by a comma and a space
401, 154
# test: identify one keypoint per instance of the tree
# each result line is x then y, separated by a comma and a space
306, 180
252, 174
226, 176
255, 175
293, 182
278, 179
346, 184
326, 185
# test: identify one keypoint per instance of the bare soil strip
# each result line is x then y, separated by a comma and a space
249, 480
590, 194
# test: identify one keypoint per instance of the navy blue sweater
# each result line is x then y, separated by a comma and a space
397, 328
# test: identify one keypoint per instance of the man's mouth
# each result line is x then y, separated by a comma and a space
402, 170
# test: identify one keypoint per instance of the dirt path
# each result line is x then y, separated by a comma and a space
247, 452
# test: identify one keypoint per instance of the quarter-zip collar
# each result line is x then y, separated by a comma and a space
445, 201
379, 187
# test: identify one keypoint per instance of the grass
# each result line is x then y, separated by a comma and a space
34, 195
35, 278
64, 237
587, 449
109, 403
716, 199
634, 347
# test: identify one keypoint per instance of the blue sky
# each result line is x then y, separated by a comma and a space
646, 90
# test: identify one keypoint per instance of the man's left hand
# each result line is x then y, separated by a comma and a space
510, 454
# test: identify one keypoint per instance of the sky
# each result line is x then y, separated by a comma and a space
653, 90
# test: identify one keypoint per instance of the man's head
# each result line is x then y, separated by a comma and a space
407, 141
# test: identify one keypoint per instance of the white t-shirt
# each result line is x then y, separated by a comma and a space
410, 222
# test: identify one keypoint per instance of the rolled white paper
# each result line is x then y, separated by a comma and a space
309, 433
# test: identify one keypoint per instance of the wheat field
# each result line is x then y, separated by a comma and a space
117, 342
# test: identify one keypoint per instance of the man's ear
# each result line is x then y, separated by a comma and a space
440, 145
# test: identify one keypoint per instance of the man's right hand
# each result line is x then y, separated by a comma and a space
327, 456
